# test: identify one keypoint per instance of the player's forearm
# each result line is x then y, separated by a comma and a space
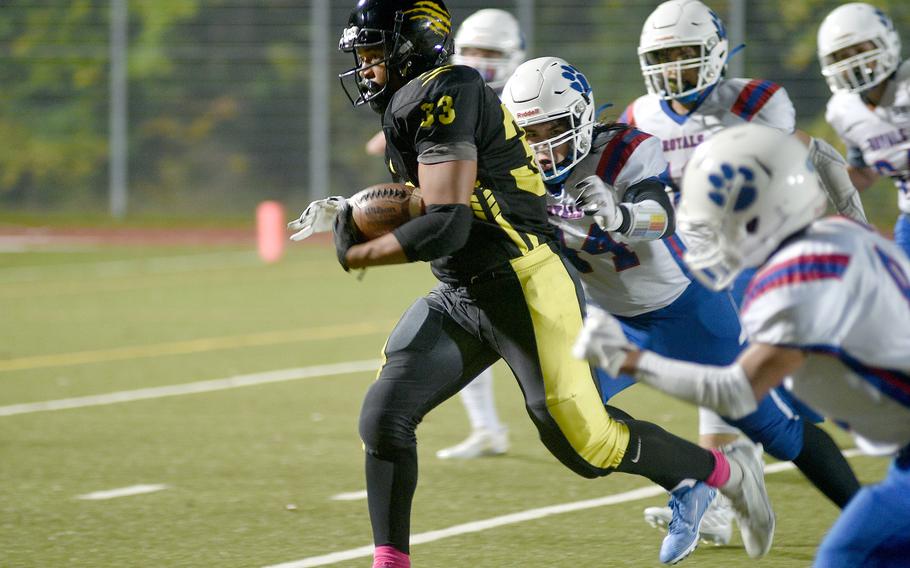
862, 178
724, 389
441, 231
646, 220
647, 212
379, 251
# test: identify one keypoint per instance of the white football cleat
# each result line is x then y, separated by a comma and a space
749, 499
658, 517
479, 444
716, 525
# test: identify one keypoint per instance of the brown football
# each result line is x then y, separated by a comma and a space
380, 208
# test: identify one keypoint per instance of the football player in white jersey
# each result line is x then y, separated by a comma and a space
490, 41
829, 307
683, 51
607, 198
860, 55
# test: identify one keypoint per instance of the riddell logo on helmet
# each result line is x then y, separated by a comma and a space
527, 113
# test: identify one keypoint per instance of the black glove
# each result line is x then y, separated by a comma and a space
345, 232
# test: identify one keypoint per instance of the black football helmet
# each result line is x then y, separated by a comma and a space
415, 36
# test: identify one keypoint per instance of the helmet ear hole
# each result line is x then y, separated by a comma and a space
752, 226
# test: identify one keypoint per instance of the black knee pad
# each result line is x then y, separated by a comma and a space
386, 431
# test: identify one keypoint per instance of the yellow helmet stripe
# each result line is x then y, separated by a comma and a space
434, 8
430, 11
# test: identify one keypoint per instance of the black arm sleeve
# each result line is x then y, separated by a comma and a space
441, 231
646, 189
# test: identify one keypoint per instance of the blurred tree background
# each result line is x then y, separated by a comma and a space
219, 95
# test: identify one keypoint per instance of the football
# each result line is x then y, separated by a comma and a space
380, 208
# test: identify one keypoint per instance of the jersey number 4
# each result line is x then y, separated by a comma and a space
600, 242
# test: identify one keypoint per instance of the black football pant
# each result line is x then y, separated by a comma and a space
528, 314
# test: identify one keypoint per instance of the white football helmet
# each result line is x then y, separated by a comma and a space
853, 24
745, 190
495, 30
675, 24
545, 89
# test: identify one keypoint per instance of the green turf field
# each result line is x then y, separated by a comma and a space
249, 466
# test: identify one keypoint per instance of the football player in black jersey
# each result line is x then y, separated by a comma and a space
504, 289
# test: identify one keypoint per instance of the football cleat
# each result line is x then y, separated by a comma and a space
480, 443
688, 506
716, 526
749, 499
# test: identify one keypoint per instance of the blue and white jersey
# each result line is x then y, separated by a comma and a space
841, 293
625, 278
878, 137
730, 102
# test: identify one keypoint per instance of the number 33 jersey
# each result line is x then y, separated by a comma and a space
878, 137
625, 278
449, 114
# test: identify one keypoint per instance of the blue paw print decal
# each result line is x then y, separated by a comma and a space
723, 183
884, 19
578, 81
719, 25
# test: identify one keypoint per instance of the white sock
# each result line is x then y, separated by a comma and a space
711, 424
478, 401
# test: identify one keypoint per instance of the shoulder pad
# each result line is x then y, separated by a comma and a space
752, 97
616, 147
429, 84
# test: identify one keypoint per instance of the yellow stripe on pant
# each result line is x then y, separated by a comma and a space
572, 397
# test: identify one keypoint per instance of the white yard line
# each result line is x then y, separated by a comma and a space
237, 381
153, 265
519, 517
122, 492
352, 496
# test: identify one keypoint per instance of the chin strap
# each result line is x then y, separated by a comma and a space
700, 96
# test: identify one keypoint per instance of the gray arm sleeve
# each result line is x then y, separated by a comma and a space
449, 152
832, 172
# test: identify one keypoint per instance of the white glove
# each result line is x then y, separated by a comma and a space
602, 341
832, 172
596, 198
318, 217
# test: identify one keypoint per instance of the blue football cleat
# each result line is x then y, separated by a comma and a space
688, 505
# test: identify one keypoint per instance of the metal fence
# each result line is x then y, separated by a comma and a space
194, 107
